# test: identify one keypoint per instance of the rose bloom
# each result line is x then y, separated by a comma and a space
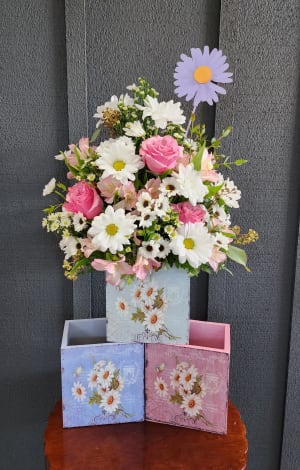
83, 198
161, 153
188, 213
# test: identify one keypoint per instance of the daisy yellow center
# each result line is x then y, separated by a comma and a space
150, 291
79, 391
106, 374
188, 377
112, 229
118, 165
189, 243
161, 386
110, 400
153, 319
203, 74
122, 306
191, 403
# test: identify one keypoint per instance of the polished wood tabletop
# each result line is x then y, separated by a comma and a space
144, 446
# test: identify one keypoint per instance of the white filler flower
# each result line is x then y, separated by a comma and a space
111, 230
118, 159
190, 184
192, 243
134, 129
163, 112
49, 188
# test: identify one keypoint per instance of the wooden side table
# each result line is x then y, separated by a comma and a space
144, 446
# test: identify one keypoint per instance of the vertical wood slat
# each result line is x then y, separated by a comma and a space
261, 106
75, 11
291, 435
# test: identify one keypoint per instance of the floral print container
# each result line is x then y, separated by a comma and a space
187, 385
102, 383
155, 310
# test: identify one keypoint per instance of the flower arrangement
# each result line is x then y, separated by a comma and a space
151, 194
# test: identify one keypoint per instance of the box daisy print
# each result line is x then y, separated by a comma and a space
102, 383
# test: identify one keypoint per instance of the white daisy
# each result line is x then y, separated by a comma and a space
54, 226
122, 306
93, 379
65, 219
190, 184
105, 375
110, 401
191, 404
181, 366
98, 366
219, 214
149, 292
163, 112
170, 186
175, 378
144, 202
200, 389
229, 193
137, 295
49, 187
221, 241
134, 129
111, 230
118, 159
146, 219
161, 387
154, 320
69, 245
79, 222
164, 248
188, 378
193, 244
118, 383
161, 205
78, 391
149, 249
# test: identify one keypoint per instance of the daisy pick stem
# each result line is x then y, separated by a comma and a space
190, 122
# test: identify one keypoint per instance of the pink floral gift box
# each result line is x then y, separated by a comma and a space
102, 383
187, 385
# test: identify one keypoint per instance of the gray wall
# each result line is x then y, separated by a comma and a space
54, 74
35, 298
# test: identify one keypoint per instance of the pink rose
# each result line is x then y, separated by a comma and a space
83, 198
161, 153
188, 213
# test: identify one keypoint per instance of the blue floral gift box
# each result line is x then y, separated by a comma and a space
102, 383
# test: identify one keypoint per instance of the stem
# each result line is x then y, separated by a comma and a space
190, 122
59, 194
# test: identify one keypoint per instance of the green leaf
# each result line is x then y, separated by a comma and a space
212, 190
238, 255
61, 186
138, 316
198, 157
77, 153
240, 162
226, 131
176, 398
95, 135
